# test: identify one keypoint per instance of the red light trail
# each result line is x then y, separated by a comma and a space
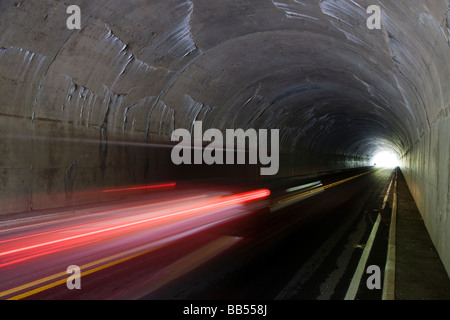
53, 242
167, 185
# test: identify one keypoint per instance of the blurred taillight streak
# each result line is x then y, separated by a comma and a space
158, 220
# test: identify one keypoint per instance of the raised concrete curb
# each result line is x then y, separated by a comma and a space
389, 271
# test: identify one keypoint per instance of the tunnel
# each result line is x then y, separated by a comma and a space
94, 107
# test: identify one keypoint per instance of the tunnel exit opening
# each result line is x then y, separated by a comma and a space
385, 159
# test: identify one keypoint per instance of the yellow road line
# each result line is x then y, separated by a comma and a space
126, 258
64, 274
183, 266
32, 284
322, 188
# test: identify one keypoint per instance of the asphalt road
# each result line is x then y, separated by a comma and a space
308, 250
202, 242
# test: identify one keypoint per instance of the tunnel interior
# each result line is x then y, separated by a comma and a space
90, 108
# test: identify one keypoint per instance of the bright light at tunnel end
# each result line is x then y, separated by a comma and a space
385, 159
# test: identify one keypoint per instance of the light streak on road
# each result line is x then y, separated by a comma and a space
157, 186
31, 246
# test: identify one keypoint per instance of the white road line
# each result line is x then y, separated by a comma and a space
314, 262
354, 285
356, 280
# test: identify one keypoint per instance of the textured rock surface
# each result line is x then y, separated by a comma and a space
77, 106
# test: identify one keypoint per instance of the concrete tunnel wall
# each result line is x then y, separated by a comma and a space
94, 108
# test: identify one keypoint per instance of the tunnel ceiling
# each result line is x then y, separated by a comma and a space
140, 69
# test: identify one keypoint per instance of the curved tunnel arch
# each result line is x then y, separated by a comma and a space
137, 70
234, 43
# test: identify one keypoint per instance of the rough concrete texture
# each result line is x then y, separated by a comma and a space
77, 107
426, 169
